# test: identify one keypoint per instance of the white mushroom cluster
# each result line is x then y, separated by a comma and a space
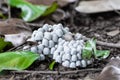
59, 44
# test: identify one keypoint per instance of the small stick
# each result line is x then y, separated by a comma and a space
114, 45
34, 24
56, 72
35, 72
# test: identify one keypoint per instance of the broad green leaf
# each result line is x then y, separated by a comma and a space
102, 54
89, 48
92, 43
51, 9
17, 60
90, 51
87, 53
30, 11
51, 66
3, 44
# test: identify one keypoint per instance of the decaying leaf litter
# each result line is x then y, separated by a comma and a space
87, 24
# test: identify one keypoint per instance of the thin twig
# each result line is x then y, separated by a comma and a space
34, 24
35, 72
11, 49
114, 45
117, 45
56, 72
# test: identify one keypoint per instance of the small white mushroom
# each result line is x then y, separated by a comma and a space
61, 43
45, 27
79, 56
47, 35
68, 37
73, 51
78, 36
66, 63
79, 48
34, 49
66, 43
58, 26
40, 48
72, 65
78, 63
66, 57
72, 42
83, 63
45, 42
58, 59
51, 44
55, 54
60, 39
74, 58
60, 48
65, 30
75, 45
46, 51
41, 30
42, 57
62, 53
52, 50
34, 33
55, 38
59, 32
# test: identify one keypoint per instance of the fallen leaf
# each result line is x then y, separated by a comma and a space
111, 71
113, 33
95, 6
30, 12
59, 15
51, 66
17, 60
15, 31
90, 50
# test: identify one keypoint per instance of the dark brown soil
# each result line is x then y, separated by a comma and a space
90, 25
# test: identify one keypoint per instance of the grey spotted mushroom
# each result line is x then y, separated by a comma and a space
60, 44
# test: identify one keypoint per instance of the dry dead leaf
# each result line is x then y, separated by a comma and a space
59, 15
95, 6
15, 31
111, 71
113, 33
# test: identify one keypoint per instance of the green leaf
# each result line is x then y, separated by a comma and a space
92, 43
17, 60
87, 53
102, 54
51, 9
89, 49
51, 66
30, 11
3, 44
